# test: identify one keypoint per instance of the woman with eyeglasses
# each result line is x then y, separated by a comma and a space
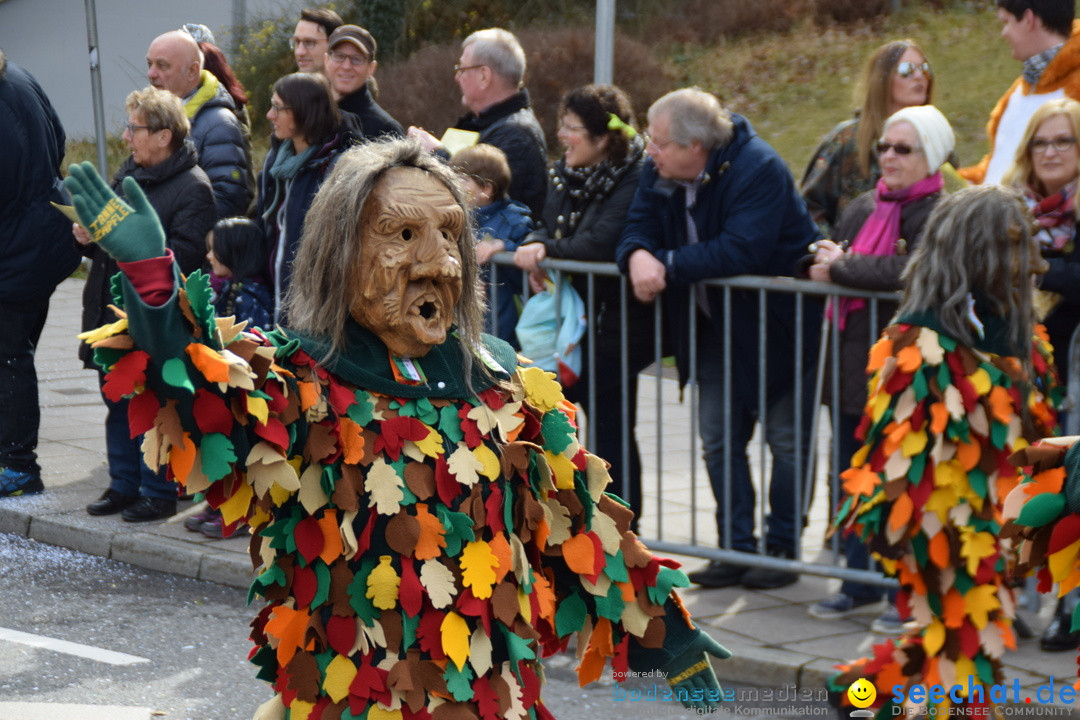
163, 163
1046, 170
590, 189
844, 165
308, 134
874, 237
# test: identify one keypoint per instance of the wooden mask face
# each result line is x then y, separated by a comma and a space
409, 278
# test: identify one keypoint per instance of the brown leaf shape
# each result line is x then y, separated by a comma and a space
348, 488
340, 577
320, 444
504, 603
168, 423
402, 532
455, 711
419, 478
304, 676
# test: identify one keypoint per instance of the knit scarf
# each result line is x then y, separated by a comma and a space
286, 166
1056, 217
881, 231
588, 184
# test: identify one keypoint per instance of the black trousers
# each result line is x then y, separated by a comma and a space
21, 323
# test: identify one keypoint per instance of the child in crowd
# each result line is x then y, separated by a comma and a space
236, 250
501, 224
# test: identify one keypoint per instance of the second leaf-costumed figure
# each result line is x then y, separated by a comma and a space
425, 524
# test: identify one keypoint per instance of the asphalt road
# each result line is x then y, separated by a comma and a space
113, 642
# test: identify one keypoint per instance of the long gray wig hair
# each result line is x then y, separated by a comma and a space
317, 302
977, 240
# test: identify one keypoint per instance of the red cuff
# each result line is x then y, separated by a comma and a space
152, 278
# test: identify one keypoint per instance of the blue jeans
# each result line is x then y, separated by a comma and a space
784, 521
128, 474
21, 323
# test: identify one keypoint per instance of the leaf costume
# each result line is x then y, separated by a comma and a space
926, 490
419, 548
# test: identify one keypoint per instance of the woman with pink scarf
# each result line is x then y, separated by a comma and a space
874, 237
1045, 170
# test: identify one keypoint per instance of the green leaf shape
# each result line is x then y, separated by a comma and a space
217, 455
175, 373
1041, 509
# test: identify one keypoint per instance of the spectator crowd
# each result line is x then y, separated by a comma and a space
695, 195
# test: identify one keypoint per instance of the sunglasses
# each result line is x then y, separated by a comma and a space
883, 147
907, 69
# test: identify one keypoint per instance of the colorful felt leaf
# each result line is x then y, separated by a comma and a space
974, 546
438, 580
338, 677
478, 564
981, 600
175, 373
431, 540
382, 584
464, 465
126, 376
384, 488
455, 638
541, 388
1040, 510
208, 362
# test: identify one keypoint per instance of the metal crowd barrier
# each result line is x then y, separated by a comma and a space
688, 538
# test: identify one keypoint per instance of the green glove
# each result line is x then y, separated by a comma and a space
127, 232
691, 676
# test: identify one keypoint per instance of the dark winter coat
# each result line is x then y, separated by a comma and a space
750, 220
183, 199
512, 127
247, 300
374, 121
1063, 277
36, 251
283, 231
219, 141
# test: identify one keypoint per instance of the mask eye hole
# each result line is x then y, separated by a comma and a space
406, 234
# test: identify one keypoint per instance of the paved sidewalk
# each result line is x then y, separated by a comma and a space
775, 643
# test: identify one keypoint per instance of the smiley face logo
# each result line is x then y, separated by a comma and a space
862, 693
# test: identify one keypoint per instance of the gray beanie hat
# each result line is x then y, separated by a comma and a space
935, 134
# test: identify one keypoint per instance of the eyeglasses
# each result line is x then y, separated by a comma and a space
278, 108
307, 43
898, 148
340, 57
907, 69
650, 140
1060, 144
572, 128
132, 127
458, 69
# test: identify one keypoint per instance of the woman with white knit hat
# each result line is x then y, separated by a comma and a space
873, 239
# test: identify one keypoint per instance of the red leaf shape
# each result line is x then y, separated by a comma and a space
486, 699
142, 409
273, 431
1066, 532
128, 372
341, 633
309, 538
304, 585
211, 413
410, 591
447, 485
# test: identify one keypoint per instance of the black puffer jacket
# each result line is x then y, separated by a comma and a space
180, 194
870, 272
512, 127
36, 251
219, 141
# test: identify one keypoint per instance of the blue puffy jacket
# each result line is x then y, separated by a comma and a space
509, 221
219, 141
36, 247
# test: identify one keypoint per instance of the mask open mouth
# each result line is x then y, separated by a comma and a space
427, 310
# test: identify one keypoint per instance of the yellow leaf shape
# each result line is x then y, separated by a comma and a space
1062, 562
934, 637
913, 443
236, 507
454, 632
941, 501
974, 546
384, 488
257, 408
378, 712
339, 675
489, 462
432, 445
382, 584
98, 334
562, 468
266, 467
981, 380
966, 673
948, 474
981, 601
597, 476
877, 405
465, 465
524, 606
541, 389
478, 565
300, 710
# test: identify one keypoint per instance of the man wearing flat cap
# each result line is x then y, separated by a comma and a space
350, 67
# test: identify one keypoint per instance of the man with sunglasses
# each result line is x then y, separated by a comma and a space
309, 40
1042, 35
350, 67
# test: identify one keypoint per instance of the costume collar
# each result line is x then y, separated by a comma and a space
1036, 64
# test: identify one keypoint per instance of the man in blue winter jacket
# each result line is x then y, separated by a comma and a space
715, 201
36, 253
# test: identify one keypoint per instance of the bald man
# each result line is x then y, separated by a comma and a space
174, 63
